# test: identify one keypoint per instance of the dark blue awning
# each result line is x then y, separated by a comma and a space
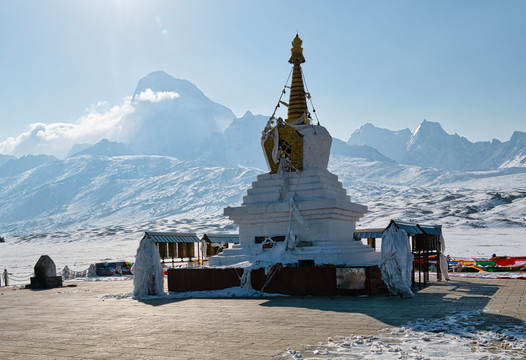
162, 237
222, 238
368, 233
410, 228
431, 230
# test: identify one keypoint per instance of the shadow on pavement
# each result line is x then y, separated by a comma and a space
438, 300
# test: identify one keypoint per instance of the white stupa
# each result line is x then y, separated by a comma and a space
299, 210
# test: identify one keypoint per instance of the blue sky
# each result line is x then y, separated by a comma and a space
390, 63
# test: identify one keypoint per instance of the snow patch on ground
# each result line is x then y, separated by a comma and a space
492, 275
233, 292
101, 278
459, 336
76, 291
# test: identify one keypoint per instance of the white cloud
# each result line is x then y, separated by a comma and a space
156, 96
57, 138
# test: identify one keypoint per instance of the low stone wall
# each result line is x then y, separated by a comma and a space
298, 281
196, 279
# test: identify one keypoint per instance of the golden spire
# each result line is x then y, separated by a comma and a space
297, 99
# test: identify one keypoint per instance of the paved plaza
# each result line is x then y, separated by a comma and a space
82, 323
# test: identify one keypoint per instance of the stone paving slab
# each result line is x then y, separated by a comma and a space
78, 323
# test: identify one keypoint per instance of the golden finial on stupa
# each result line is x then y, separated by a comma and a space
296, 53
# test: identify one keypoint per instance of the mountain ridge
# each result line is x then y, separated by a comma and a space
172, 117
430, 146
88, 191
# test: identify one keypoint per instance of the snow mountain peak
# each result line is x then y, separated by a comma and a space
160, 81
173, 117
429, 128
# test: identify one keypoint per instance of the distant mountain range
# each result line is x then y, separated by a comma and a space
172, 117
431, 146
193, 127
189, 157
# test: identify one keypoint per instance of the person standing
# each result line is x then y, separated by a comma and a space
6, 280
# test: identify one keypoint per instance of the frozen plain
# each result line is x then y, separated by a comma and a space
83, 248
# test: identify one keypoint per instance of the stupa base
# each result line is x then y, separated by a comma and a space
348, 253
301, 280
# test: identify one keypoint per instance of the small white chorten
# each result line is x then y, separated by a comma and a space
299, 210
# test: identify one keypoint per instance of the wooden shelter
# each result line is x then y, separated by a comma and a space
215, 243
425, 246
175, 245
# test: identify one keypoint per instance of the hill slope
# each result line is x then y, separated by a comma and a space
100, 191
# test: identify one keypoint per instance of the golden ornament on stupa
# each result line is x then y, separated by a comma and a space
282, 143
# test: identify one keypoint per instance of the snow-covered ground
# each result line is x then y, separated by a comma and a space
454, 337
81, 248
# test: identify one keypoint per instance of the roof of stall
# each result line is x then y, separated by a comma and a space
368, 233
167, 237
222, 238
431, 229
410, 228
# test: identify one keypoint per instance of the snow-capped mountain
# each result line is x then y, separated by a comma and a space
240, 143
430, 146
515, 150
173, 117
